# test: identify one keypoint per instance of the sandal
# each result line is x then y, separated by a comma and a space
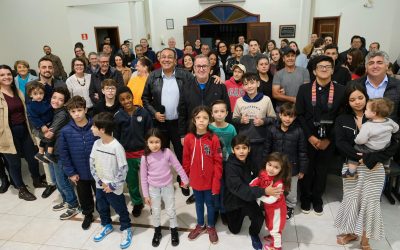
344, 239
365, 247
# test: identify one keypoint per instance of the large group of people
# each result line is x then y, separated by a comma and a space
249, 125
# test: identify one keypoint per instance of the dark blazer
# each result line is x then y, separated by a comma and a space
392, 92
192, 96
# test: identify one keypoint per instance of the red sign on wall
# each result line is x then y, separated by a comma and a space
84, 36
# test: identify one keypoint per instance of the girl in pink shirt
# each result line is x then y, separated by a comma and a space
156, 179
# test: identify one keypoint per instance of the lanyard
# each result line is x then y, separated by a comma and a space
314, 94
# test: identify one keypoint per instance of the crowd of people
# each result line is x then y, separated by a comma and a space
250, 126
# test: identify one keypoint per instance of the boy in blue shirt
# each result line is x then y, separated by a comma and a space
75, 145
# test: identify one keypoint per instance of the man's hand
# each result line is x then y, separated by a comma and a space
159, 117
300, 175
314, 141
323, 144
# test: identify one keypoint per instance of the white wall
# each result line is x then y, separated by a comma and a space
28, 25
378, 23
83, 19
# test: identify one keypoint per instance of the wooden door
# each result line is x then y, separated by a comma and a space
324, 26
191, 33
260, 31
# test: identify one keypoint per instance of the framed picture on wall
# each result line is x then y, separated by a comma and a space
170, 24
287, 31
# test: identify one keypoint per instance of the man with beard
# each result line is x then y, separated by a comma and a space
105, 72
46, 77
58, 68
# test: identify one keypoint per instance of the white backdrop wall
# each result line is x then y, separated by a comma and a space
28, 25
379, 23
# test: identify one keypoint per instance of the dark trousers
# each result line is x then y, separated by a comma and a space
235, 218
3, 166
256, 157
85, 190
25, 149
170, 132
314, 181
104, 200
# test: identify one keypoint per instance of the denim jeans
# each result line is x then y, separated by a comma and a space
206, 197
63, 185
25, 149
104, 200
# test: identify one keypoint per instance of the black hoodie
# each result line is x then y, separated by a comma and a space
238, 193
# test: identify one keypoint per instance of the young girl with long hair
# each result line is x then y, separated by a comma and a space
202, 161
157, 184
277, 172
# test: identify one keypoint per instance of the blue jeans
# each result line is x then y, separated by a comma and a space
63, 185
25, 149
104, 200
206, 197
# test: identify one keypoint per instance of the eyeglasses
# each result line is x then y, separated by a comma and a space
201, 66
110, 89
324, 67
167, 57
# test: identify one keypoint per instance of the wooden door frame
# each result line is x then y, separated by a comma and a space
315, 19
106, 27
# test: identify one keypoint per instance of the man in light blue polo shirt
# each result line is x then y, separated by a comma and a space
378, 83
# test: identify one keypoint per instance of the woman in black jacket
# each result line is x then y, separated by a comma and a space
359, 212
239, 197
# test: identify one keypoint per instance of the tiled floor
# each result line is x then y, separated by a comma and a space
33, 225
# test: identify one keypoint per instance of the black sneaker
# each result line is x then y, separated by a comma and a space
185, 191
305, 207
190, 200
4, 184
137, 210
50, 157
87, 221
156, 237
40, 157
290, 212
48, 191
60, 206
24, 194
39, 183
256, 242
71, 212
174, 237
318, 209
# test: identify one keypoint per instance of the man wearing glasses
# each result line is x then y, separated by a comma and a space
202, 90
317, 106
105, 72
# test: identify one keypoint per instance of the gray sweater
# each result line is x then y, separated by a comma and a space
376, 135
